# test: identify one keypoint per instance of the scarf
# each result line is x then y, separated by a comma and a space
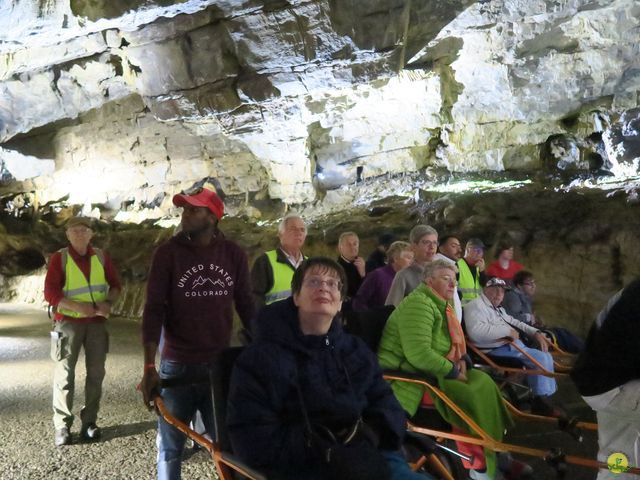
458, 345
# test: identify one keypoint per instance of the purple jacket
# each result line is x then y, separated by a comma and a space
374, 290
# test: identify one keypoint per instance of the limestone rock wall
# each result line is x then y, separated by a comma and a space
285, 101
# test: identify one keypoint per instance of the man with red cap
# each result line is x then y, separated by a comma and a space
195, 280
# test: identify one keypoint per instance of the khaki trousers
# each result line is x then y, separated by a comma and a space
67, 339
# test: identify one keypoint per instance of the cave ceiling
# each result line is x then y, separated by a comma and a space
113, 106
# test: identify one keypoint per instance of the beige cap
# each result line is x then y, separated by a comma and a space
75, 221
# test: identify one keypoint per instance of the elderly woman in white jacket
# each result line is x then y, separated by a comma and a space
490, 328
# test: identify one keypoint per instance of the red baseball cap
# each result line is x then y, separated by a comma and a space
201, 198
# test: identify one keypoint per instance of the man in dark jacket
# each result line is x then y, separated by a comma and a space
607, 374
304, 380
196, 279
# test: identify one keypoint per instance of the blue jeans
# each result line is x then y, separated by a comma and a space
182, 401
539, 384
400, 468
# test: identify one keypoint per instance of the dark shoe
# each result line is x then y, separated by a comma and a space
543, 406
62, 437
90, 432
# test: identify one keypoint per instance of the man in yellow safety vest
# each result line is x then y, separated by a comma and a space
81, 284
273, 270
471, 270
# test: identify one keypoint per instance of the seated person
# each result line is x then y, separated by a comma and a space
378, 258
424, 335
607, 374
504, 266
424, 243
375, 288
353, 264
471, 275
308, 401
518, 302
491, 329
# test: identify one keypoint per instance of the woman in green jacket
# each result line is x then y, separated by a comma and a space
424, 335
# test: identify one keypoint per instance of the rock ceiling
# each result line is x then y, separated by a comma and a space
115, 105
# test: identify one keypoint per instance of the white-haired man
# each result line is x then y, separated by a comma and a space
273, 270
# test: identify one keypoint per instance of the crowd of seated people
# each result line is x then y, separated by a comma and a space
302, 366
427, 283
424, 335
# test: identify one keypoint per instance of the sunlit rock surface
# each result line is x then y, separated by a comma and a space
344, 110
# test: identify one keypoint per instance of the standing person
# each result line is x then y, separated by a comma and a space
307, 401
272, 271
375, 288
504, 266
424, 243
353, 264
378, 258
195, 280
607, 374
82, 284
471, 270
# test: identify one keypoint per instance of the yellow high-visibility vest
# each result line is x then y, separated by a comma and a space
467, 284
76, 286
282, 275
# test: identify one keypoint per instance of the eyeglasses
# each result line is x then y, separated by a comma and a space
315, 283
428, 243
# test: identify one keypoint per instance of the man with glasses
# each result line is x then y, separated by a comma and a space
471, 270
196, 279
81, 285
272, 271
424, 243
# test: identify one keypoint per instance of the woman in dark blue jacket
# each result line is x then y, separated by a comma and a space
305, 388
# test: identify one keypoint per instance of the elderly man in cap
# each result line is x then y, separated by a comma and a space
492, 330
470, 270
424, 243
196, 279
81, 285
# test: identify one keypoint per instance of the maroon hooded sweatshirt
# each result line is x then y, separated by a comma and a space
191, 291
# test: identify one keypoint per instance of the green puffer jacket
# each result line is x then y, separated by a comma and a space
416, 339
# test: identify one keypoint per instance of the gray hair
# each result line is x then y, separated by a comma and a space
282, 226
396, 249
420, 231
431, 268
345, 235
